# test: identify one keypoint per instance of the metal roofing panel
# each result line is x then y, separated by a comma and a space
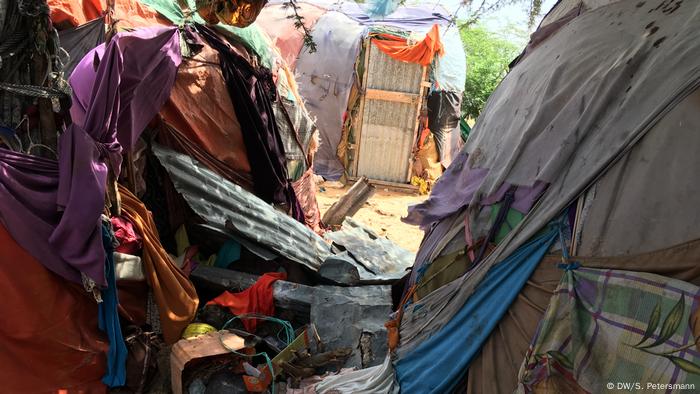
219, 201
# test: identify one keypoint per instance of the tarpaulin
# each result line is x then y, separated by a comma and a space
611, 86
49, 339
450, 70
409, 17
255, 299
79, 41
111, 106
174, 293
252, 91
442, 357
422, 52
326, 84
200, 110
130, 14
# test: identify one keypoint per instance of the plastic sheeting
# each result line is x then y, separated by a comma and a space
326, 84
450, 70
442, 357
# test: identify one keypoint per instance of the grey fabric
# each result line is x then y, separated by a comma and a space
565, 113
647, 201
81, 40
296, 129
326, 84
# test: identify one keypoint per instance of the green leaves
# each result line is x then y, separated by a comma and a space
670, 325
668, 329
653, 323
488, 56
685, 365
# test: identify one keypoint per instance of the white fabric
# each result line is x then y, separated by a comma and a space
374, 380
128, 267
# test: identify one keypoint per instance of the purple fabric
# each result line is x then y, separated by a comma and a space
53, 209
455, 190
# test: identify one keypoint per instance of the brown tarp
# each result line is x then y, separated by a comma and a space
202, 116
49, 338
173, 292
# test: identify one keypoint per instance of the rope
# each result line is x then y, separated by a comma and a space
33, 91
286, 327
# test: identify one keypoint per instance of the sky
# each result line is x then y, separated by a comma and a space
512, 15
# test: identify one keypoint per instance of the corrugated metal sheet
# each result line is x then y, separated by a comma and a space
378, 258
219, 201
388, 127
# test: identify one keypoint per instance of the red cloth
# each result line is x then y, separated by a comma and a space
255, 299
130, 242
49, 339
421, 53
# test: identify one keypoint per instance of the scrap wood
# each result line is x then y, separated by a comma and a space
349, 203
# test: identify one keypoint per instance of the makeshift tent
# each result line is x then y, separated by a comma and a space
589, 139
333, 83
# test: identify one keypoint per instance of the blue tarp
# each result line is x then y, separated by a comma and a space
438, 364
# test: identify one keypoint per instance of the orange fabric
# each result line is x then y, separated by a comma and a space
422, 52
392, 326
255, 299
174, 293
200, 109
49, 338
130, 13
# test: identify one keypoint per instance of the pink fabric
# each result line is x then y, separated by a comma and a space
130, 242
287, 38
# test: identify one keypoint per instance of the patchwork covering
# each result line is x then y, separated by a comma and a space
612, 330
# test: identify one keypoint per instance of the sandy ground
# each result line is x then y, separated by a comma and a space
382, 213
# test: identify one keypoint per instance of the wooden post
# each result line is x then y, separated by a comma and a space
349, 203
363, 99
416, 128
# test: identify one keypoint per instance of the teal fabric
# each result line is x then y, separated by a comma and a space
251, 36
229, 253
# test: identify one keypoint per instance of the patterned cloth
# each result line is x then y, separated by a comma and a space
606, 328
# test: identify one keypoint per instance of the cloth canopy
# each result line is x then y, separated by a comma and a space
422, 52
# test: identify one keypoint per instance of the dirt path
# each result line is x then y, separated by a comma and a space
382, 213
